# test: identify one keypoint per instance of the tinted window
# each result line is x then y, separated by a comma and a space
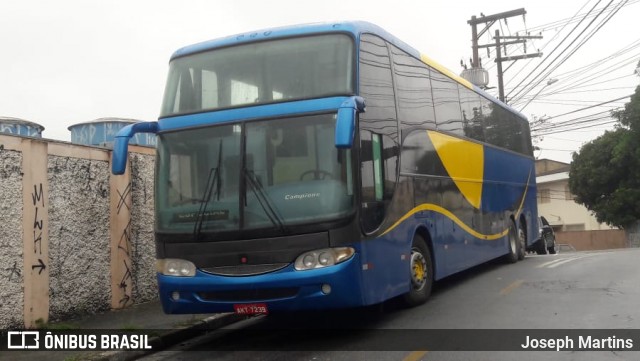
471, 118
526, 137
502, 131
378, 132
413, 87
447, 103
290, 176
376, 87
505, 129
263, 72
419, 155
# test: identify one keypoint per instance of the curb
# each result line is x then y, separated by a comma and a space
172, 338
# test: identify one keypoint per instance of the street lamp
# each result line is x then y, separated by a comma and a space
549, 82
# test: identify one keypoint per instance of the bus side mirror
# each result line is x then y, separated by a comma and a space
346, 121
121, 144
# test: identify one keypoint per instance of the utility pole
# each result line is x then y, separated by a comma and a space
500, 58
489, 21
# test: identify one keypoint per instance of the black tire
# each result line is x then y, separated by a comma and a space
513, 245
541, 249
522, 241
421, 273
541, 246
552, 249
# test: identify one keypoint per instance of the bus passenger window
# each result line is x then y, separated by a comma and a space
379, 162
447, 104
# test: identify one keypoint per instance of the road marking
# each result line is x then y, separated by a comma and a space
415, 356
511, 287
557, 262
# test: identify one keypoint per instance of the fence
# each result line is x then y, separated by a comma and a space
593, 240
74, 239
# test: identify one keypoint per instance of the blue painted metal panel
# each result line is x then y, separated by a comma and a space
353, 27
248, 113
506, 176
343, 278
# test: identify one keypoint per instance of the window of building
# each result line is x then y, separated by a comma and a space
544, 195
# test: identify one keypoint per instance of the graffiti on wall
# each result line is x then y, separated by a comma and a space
103, 133
21, 129
38, 224
124, 246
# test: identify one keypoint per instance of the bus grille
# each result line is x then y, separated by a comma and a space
249, 295
245, 270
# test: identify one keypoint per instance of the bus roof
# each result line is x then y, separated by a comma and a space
354, 28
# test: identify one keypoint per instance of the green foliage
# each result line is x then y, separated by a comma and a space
605, 174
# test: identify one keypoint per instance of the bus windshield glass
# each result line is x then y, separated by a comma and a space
285, 173
258, 73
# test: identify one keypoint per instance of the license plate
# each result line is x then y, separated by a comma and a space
251, 309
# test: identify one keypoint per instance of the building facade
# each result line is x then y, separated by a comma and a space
557, 204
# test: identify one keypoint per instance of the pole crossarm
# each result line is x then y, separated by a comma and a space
521, 37
519, 57
505, 43
488, 21
495, 17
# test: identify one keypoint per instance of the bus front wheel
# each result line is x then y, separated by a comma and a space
421, 273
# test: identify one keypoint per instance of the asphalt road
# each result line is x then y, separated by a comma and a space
575, 291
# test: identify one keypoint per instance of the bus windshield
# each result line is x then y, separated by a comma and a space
258, 73
285, 173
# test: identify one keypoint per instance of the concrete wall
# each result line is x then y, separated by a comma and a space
594, 240
11, 263
73, 238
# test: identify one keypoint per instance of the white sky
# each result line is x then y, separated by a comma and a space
70, 61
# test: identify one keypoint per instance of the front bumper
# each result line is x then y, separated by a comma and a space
282, 290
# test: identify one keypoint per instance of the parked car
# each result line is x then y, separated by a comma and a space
547, 241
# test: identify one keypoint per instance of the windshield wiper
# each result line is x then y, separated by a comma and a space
265, 202
212, 180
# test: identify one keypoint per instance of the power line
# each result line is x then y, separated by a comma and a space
581, 127
582, 41
589, 107
565, 21
552, 51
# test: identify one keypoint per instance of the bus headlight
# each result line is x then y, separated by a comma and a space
175, 267
323, 258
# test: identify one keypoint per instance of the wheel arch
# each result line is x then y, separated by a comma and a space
423, 232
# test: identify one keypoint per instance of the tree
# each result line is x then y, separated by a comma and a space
605, 173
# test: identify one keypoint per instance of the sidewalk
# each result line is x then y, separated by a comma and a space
167, 330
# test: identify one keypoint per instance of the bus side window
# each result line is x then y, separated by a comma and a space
379, 162
378, 131
372, 210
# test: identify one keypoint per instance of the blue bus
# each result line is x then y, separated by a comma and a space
328, 166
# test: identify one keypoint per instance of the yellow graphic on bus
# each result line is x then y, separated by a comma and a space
464, 162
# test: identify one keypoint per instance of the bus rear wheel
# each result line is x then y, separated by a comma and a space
522, 241
421, 273
514, 244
